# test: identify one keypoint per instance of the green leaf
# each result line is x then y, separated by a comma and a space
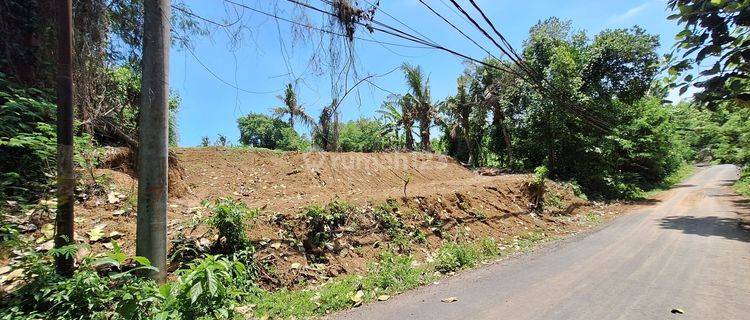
142, 261
195, 292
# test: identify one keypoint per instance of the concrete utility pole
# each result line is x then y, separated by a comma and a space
151, 235
66, 180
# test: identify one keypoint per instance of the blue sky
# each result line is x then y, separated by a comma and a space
255, 61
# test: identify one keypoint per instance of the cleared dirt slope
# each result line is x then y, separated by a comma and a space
439, 194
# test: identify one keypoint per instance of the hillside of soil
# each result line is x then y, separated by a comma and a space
428, 198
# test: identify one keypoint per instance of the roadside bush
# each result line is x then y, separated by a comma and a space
209, 289
324, 222
394, 273
455, 256
88, 294
231, 220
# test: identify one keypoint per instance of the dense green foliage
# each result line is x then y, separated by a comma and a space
717, 34
261, 131
625, 140
27, 142
365, 135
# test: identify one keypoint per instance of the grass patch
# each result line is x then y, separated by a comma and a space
684, 171
590, 218
392, 274
742, 186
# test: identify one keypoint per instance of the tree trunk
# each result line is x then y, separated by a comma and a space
151, 235
65, 175
424, 134
508, 145
498, 121
409, 137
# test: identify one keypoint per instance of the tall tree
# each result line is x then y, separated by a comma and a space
716, 32
407, 113
151, 235
420, 91
292, 109
326, 134
66, 180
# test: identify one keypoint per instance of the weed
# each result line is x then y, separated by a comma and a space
527, 241
478, 214
325, 222
394, 273
489, 248
88, 294
591, 218
455, 256
231, 220
554, 199
209, 289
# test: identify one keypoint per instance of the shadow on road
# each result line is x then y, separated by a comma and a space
728, 228
683, 186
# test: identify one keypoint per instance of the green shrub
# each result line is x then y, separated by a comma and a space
364, 135
209, 289
395, 273
488, 248
323, 222
231, 220
88, 294
262, 131
455, 256
27, 142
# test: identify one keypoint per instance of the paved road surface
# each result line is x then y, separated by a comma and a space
685, 251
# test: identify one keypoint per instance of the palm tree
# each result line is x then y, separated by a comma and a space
292, 109
461, 108
397, 119
420, 101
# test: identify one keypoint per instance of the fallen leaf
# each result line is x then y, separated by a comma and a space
48, 230
449, 299
383, 297
114, 235
357, 297
4, 269
17, 273
118, 212
96, 233
296, 265
112, 198
276, 245
46, 246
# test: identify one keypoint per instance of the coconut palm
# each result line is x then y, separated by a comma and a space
399, 119
292, 109
420, 101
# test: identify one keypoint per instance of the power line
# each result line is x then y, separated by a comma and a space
316, 28
457, 29
502, 38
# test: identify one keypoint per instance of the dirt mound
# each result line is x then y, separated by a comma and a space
425, 196
123, 159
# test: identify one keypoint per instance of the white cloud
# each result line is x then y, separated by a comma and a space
632, 12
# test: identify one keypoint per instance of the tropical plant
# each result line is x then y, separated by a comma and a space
420, 101
292, 109
364, 135
326, 133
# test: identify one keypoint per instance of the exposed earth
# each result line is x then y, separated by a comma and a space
436, 197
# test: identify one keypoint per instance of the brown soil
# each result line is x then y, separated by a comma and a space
439, 192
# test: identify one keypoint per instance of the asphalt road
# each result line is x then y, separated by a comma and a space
685, 251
